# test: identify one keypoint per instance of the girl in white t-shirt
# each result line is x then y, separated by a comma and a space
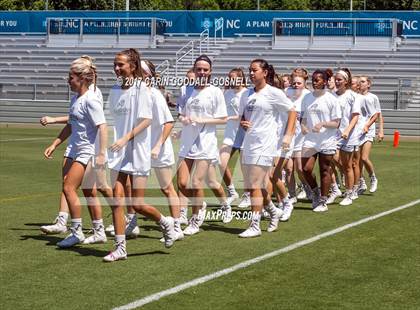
202, 110
161, 146
86, 121
371, 111
94, 178
234, 133
130, 105
260, 111
349, 133
296, 93
321, 116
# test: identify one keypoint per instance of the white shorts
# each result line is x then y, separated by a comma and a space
261, 160
164, 161
69, 152
348, 148
84, 159
364, 139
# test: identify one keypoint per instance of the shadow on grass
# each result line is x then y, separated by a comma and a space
211, 226
148, 253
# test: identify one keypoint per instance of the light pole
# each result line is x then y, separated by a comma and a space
351, 5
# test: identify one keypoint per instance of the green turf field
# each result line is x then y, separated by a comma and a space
372, 266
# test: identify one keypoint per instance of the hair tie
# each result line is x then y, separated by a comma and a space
344, 74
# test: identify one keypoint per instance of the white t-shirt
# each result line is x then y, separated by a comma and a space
262, 109
233, 134
185, 93
297, 95
128, 107
161, 116
324, 108
370, 106
86, 113
199, 141
70, 149
350, 103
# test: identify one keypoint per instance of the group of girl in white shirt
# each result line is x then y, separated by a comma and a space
274, 129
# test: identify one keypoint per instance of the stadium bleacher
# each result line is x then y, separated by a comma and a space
33, 76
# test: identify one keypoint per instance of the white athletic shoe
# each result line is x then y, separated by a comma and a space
98, 236
131, 229
264, 214
253, 230
333, 195
226, 214
354, 195
362, 187
167, 226
59, 226
202, 214
293, 199
76, 236
347, 199
322, 207
274, 219
245, 201
192, 227
110, 230
302, 195
183, 216
119, 253
56, 228
373, 184
232, 196
287, 212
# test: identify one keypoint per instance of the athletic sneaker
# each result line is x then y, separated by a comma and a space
245, 200
131, 229
98, 236
110, 230
76, 236
302, 195
253, 230
362, 187
353, 194
167, 226
192, 227
293, 199
347, 199
232, 196
275, 214
265, 215
179, 235
183, 216
226, 214
333, 195
315, 197
119, 253
202, 214
59, 226
322, 207
373, 184
287, 211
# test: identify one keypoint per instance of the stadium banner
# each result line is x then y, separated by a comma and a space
181, 22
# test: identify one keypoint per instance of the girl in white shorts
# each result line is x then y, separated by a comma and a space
349, 134
200, 112
86, 122
321, 116
162, 152
296, 93
259, 110
129, 157
234, 133
371, 111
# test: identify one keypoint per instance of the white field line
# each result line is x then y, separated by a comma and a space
176, 289
25, 139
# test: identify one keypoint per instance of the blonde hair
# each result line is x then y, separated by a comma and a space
85, 68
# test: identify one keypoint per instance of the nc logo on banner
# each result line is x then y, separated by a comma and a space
206, 23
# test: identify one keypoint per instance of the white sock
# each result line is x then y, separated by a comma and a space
76, 224
162, 220
120, 242
97, 224
119, 238
63, 217
334, 187
231, 187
